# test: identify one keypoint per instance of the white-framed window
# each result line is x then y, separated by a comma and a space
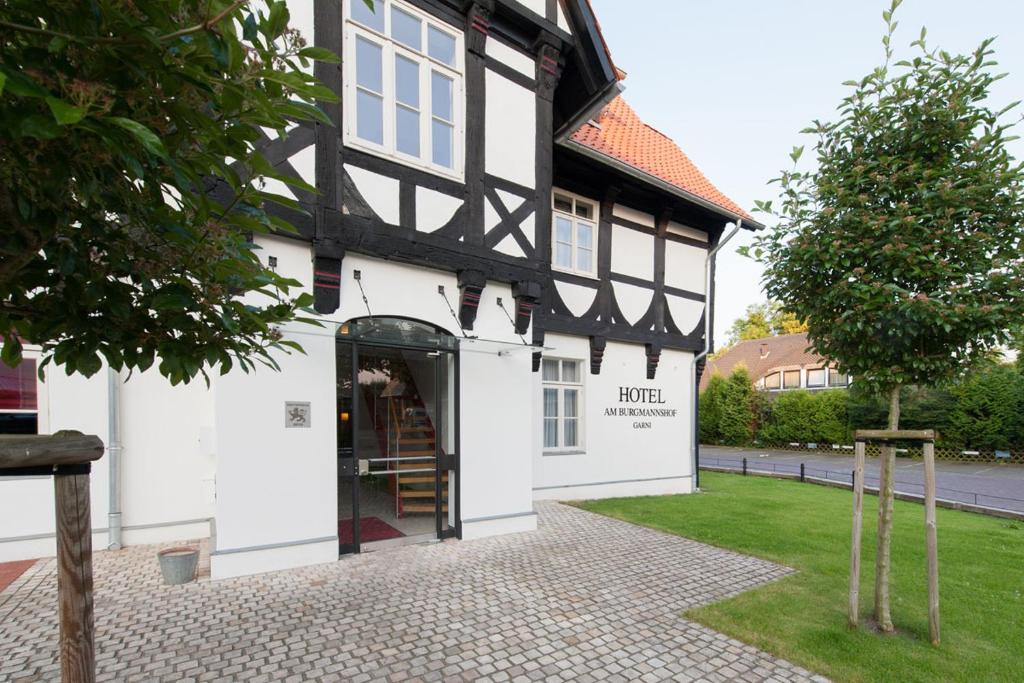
19, 398
563, 404
772, 381
574, 234
791, 379
403, 97
837, 379
815, 378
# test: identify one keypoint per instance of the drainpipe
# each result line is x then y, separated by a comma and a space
114, 458
708, 306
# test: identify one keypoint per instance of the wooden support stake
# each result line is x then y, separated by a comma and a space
883, 559
931, 540
858, 519
74, 578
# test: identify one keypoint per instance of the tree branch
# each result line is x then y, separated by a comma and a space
206, 25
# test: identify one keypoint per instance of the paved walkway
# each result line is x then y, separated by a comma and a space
988, 484
585, 598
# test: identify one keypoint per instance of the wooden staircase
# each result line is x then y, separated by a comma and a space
416, 438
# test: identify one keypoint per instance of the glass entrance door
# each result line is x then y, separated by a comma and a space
396, 446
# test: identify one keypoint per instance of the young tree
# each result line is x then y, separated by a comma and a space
902, 249
116, 121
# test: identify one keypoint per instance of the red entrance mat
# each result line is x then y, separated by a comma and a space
9, 571
370, 529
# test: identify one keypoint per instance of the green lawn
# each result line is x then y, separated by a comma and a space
803, 617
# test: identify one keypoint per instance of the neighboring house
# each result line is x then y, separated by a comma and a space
778, 364
510, 270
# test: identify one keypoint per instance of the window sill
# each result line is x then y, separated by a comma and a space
403, 160
589, 276
573, 451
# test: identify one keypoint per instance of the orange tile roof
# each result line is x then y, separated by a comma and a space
623, 136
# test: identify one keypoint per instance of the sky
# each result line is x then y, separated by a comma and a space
734, 81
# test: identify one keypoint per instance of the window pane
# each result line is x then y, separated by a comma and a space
374, 18
563, 230
440, 46
407, 82
19, 423
405, 28
563, 255
585, 235
771, 381
585, 260
407, 131
443, 141
441, 96
571, 407
369, 117
570, 372
584, 210
369, 65
571, 437
18, 387
550, 433
791, 379
550, 370
836, 379
816, 378
551, 403
563, 203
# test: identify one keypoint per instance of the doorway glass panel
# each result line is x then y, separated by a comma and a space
396, 455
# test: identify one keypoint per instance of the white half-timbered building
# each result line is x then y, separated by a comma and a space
512, 273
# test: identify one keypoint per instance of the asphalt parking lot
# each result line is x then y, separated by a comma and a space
988, 484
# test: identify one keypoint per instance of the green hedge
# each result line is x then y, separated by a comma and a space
984, 411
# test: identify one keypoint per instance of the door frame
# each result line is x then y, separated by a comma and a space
455, 461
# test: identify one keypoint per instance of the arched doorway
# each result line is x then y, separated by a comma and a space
397, 420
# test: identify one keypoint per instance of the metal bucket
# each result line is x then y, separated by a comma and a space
178, 565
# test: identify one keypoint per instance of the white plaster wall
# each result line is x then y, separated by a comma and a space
379, 191
687, 231
510, 57
577, 298
633, 215
633, 301
563, 23
684, 266
510, 131
619, 460
632, 253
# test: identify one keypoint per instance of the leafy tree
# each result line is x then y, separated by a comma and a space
710, 412
903, 248
116, 121
764, 320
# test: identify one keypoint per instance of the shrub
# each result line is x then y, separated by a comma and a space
710, 410
801, 416
986, 409
736, 416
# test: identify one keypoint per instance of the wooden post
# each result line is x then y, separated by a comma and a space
931, 541
74, 578
68, 457
858, 518
884, 541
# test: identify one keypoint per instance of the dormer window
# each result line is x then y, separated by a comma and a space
574, 235
404, 86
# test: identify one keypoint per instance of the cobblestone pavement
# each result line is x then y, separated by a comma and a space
585, 598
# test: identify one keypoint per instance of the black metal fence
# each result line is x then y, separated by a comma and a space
804, 471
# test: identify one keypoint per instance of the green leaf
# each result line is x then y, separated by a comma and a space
21, 85
277, 21
144, 135
3, 79
65, 114
320, 54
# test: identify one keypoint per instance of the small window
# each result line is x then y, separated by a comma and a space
563, 402
574, 243
403, 79
19, 403
791, 379
837, 379
771, 381
816, 377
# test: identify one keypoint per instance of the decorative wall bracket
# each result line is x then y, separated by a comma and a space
480, 27
653, 358
471, 286
327, 257
597, 347
527, 295
538, 340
